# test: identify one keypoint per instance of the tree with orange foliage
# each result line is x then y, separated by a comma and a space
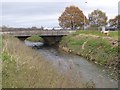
72, 18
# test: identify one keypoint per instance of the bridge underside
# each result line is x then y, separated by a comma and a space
22, 37
49, 40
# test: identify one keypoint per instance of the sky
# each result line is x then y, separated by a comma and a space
28, 13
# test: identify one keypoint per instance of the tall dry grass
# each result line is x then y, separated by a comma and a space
0, 62
28, 69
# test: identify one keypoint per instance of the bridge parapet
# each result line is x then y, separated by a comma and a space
39, 32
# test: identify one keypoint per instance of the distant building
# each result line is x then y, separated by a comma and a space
47, 28
58, 28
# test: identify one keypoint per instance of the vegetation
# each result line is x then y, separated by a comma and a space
98, 18
72, 18
0, 63
94, 46
112, 34
23, 67
115, 21
35, 38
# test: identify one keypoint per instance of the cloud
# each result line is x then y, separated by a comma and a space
46, 12
110, 7
37, 1
22, 8
19, 13
37, 19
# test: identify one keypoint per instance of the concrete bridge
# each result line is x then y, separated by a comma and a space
23, 33
49, 36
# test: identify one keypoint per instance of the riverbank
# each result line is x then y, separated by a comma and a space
23, 67
35, 38
94, 46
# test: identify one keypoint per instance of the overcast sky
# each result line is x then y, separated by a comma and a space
28, 13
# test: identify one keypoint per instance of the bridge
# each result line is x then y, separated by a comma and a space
31, 32
49, 36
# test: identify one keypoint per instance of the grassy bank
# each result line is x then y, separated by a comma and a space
112, 34
23, 67
0, 62
35, 38
94, 46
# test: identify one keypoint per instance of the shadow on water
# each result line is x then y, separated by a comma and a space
80, 67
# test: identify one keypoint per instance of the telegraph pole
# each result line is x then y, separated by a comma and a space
84, 17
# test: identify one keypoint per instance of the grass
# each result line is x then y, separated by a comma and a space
112, 34
23, 67
94, 46
35, 38
0, 62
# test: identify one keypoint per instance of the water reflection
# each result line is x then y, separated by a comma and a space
34, 44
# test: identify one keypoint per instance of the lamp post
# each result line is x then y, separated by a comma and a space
84, 18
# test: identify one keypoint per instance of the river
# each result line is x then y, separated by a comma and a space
80, 67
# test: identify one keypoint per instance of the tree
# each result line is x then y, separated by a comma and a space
33, 27
98, 18
115, 21
72, 18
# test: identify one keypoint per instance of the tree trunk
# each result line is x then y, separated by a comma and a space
72, 26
